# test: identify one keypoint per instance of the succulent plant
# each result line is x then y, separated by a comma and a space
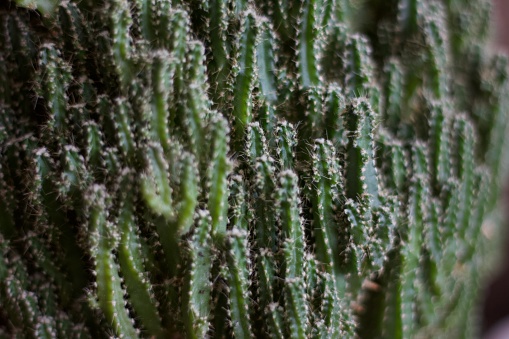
247, 169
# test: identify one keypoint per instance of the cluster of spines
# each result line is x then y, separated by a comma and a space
295, 216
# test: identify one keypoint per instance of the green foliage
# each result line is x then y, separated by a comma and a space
247, 169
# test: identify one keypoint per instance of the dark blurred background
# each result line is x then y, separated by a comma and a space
495, 309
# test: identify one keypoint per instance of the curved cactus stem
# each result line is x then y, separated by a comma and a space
103, 239
131, 263
155, 186
162, 77
196, 105
197, 303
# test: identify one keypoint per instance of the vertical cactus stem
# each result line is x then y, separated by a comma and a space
440, 149
361, 173
103, 239
266, 63
122, 125
74, 174
267, 118
307, 53
314, 284
72, 22
433, 240
197, 104
325, 14
333, 44
256, 142
399, 166
327, 186
197, 286
8, 206
335, 105
358, 66
313, 116
219, 68
479, 209
412, 248
12, 269
267, 274
451, 214
239, 261
55, 194
121, 22
22, 302
408, 16
43, 259
294, 255
285, 144
359, 240
393, 98
266, 240
163, 69
94, 146
176, 42
45, 328
383, 233
465, 142
155, 185
217, 173
497, 140
242, 101
132, 263
189, 190
54, 78
280, 16
332, 312
148, 21
438, 51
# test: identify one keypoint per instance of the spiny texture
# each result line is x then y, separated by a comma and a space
247, 168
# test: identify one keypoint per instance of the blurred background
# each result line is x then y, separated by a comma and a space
495, 309
501, 14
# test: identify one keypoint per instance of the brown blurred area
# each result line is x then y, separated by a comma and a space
495, 309
501, 14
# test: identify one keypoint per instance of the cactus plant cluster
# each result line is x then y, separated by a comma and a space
268, 169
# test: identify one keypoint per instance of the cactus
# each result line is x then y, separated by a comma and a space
247, 169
